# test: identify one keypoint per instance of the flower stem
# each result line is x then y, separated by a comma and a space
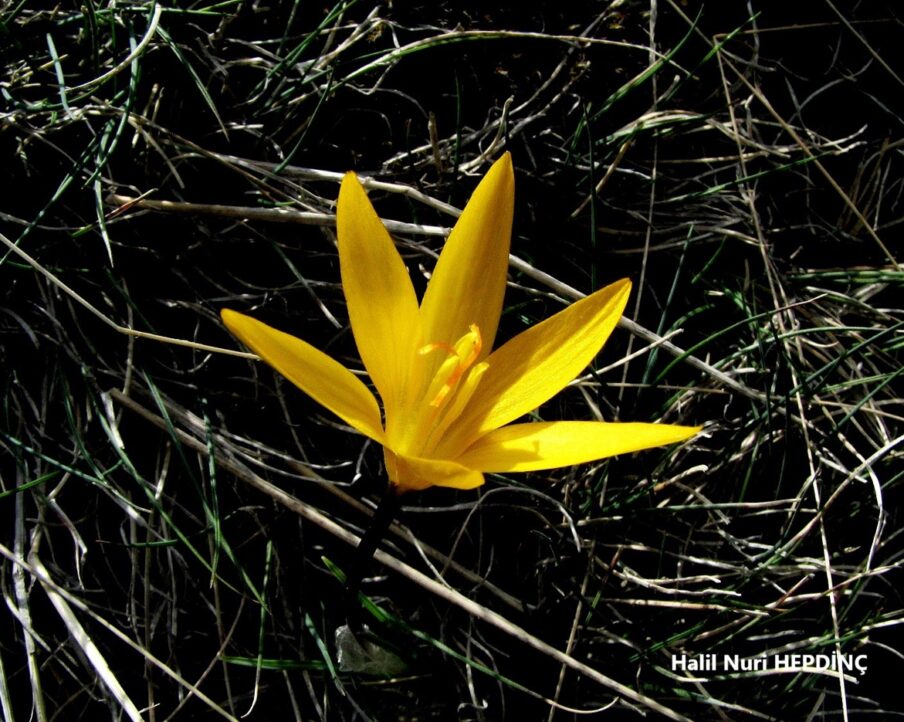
364, 552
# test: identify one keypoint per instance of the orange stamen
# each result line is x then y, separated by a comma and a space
448, 374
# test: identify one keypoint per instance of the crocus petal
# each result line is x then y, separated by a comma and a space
468, 282
537, 364
382, 304
550, 445
322, 378
410, 473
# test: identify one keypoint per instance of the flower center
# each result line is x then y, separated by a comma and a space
452, 385
461, 357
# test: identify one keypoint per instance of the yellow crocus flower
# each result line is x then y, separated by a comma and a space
448, 400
